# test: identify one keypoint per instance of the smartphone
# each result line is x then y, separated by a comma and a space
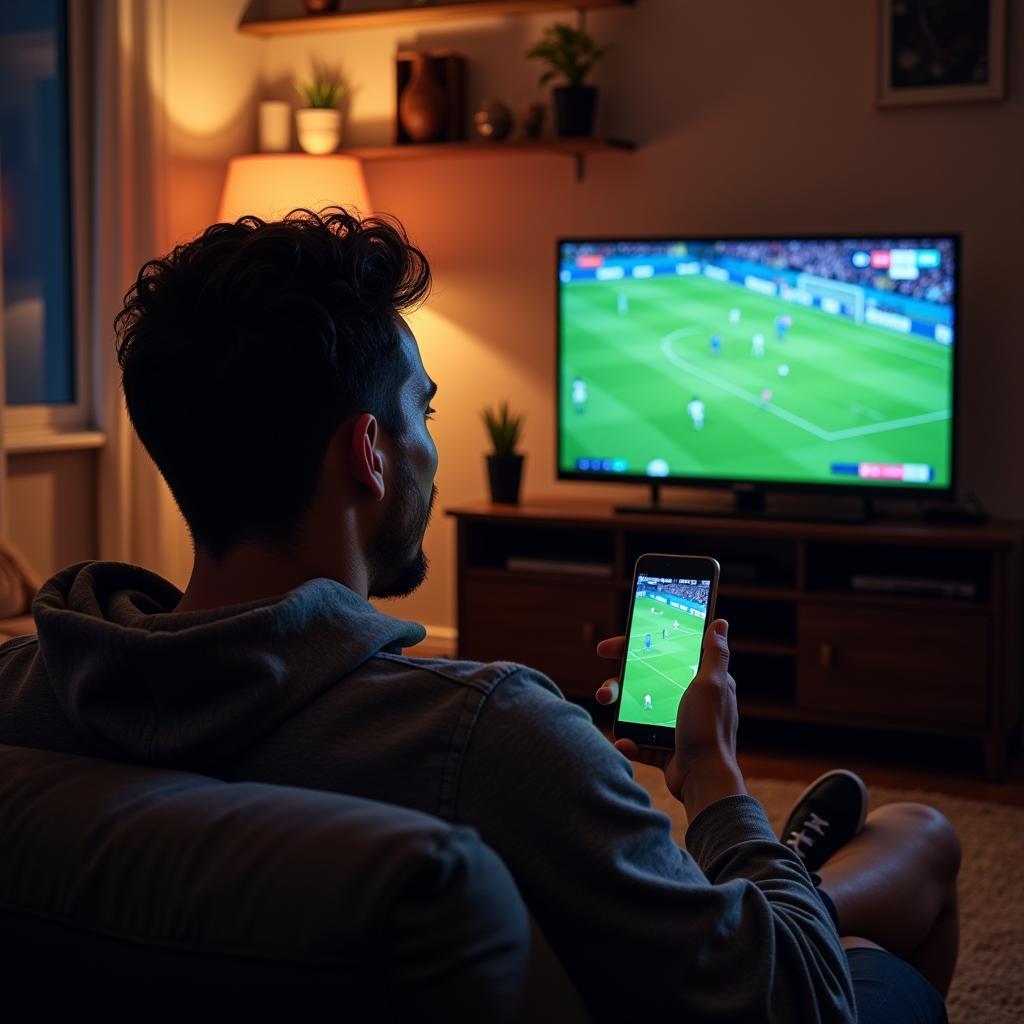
673, 601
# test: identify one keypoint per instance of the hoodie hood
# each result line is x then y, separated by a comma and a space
151, 685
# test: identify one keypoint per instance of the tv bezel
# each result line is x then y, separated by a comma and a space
854, 490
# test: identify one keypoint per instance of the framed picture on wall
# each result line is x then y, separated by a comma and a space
940, 51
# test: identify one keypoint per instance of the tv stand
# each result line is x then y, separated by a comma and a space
751, 501
887, 627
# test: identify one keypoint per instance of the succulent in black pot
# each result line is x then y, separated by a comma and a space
570, 53
505, 464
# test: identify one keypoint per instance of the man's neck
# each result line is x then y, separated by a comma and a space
251, 572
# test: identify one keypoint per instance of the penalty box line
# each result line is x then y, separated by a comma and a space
789, 417
662, 674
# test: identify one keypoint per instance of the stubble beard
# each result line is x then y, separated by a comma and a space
396, 573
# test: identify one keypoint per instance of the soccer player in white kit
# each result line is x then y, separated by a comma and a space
696, 411
579, 394
757, 345
623, 303
648, 703
734, 316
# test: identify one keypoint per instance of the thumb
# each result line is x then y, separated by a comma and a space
716, 646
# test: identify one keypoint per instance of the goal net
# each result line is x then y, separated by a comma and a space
834, 296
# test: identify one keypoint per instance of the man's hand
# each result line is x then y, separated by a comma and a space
703, 766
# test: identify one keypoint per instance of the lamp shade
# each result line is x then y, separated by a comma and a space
268, 185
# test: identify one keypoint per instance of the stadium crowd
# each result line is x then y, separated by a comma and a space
697, 592
834, 262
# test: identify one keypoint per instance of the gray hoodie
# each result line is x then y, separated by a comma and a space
311, 689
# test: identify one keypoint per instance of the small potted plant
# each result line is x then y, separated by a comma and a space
570, 53
505, 465
319, 122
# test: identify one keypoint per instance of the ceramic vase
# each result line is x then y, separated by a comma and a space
493, 121
275, 126
319, 129
421, 108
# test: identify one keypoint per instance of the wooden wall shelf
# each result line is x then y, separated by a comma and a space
286, 17
578, 149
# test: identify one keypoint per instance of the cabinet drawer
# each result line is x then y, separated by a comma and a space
550, 627
912, 667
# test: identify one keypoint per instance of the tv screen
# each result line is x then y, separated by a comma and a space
824, 362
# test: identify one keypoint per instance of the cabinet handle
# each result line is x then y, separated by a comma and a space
826, 656
588, 633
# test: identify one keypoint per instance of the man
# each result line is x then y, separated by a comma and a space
695, 408
269, 373
579, 394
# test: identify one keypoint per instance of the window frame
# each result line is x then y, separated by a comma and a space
26, 424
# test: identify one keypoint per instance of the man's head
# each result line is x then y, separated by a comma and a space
257, 352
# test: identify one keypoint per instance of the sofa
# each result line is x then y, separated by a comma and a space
182, 884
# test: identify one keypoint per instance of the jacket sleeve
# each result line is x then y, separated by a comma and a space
733, 932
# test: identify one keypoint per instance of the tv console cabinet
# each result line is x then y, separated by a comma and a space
888, 626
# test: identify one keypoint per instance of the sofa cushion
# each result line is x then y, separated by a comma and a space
113, 871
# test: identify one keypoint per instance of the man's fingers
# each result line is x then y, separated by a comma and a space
608, 692
643, 755
613, 648
716, 646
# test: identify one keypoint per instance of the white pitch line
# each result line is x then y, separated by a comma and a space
662, 674
738, 392
797, 421
878, 428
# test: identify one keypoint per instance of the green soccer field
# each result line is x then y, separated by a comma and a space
853, 392
666, 669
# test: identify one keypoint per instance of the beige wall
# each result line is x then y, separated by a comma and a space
51, 507
750, 117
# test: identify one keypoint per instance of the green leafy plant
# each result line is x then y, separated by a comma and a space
569, 52
504, 429
325, 90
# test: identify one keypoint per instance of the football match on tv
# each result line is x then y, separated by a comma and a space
813, 361
663, 649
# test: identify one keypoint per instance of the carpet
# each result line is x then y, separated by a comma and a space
988, 987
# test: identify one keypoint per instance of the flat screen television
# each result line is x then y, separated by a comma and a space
802, 362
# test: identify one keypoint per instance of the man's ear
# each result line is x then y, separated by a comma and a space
367, 459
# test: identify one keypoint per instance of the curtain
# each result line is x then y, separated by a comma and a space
119, 63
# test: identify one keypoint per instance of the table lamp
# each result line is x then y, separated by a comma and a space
268, 185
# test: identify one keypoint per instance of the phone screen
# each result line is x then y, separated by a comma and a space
663, 648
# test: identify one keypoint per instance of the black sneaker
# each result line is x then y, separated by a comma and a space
826, 816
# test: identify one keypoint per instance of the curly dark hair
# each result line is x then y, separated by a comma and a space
243, 351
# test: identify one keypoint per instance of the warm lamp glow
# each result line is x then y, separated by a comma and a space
270, 184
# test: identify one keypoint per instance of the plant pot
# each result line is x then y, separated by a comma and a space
504, 473
574, 109
319, 129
